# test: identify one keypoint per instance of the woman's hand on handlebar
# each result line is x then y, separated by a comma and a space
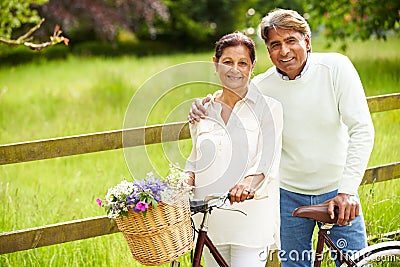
245, 189
240, 193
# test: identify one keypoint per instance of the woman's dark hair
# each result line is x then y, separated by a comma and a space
235, 39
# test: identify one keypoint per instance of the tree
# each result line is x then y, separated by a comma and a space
185, 21
265, 6
102, 19
14, 14
354, 19
207, 20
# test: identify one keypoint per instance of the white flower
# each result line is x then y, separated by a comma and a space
178, 188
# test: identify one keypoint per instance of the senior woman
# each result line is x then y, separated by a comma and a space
237, 148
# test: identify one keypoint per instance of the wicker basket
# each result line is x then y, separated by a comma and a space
162, 236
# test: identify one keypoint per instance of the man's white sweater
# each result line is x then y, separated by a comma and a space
328, 132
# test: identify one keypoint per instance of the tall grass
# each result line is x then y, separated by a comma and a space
82, 95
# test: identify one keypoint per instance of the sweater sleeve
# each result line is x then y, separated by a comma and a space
353, 109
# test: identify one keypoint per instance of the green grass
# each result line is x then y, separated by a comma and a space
84, 95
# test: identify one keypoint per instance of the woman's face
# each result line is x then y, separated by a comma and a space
234, 67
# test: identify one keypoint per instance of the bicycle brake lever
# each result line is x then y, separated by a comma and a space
244, 213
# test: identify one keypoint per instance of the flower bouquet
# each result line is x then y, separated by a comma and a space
153, 215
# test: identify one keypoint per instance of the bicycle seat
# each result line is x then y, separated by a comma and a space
317, 212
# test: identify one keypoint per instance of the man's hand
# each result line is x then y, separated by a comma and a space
349, 208
197, 111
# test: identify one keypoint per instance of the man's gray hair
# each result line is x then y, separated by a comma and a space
285, 19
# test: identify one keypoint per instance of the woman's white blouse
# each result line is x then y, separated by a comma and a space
222, 155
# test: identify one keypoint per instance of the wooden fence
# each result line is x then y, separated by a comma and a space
97, 226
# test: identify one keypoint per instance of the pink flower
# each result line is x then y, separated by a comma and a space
142, 206
99, 202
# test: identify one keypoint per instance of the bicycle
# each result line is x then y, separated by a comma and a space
206, 206
380, 254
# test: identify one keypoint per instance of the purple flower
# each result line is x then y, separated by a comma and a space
140, 184
99, 202
141, 206
155, 185
133, 198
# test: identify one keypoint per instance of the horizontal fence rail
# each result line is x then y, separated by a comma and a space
382, 173
91, 227
384, 102
56, 234
95, 142
103, 141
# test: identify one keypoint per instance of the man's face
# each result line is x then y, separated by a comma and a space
288, 50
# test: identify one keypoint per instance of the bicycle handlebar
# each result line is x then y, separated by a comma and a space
203, 205
198, 205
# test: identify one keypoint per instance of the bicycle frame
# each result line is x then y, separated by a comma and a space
320, 214
323, 238
202, 240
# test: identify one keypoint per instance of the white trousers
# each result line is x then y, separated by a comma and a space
236, 256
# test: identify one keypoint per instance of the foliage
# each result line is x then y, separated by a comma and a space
208, 20
102, 20
15, 13
205, 20
354, 19
265, 6
194, 23
173, 20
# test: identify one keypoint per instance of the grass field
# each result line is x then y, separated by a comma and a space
84, 95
